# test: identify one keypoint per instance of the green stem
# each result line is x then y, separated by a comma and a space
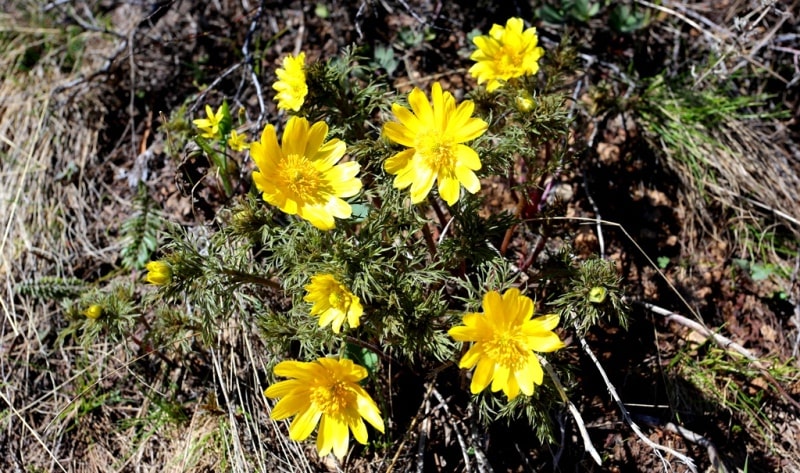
241, 276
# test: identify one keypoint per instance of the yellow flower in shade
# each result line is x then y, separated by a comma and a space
93, 312
505, 339
291, 84
210, 126
434, 135
333, 302
325, 391
301, 176
237, 142
505, 53
158, 273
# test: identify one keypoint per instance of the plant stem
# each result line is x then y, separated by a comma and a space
241, 276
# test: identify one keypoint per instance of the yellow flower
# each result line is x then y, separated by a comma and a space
434, 135
505, 53
93, 312
210, 126
237, 142
325, 391
333, 302
158, 273
291, 85
301, 176
505, 338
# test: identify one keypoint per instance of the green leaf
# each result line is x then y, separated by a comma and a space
760, 272
363, 356
226, 124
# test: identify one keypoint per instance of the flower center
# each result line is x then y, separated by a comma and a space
302, 179
505, 348
337, 299
436, 151
332, 399
510, 62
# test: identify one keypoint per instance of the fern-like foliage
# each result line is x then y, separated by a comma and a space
140, 231
51, 288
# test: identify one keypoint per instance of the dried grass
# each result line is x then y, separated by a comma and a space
86, 408
747, 169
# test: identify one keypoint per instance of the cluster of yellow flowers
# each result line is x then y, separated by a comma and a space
303, 175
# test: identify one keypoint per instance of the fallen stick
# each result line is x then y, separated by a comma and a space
657, 448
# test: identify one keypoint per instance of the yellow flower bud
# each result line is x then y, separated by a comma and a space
93, 312
597, 294
159, 273
524, 102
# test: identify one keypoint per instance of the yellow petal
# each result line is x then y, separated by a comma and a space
463, 333
293, 369
536, 370
544, 342
399, 133
482, 376
471, 357
369, 411
514, 25
439, 113
467, 129
542, 323
317, 216
512, 387
337, 434
524, 378
420, 105
359, 429
305, 423
493, 305
283, 388
398, 162
449, 190
295, 136
500, 380
324, 437
343, 181
407, 119
338, 208
329, 316
422, 185
329, 154
290, 405
487, 47
316, 135
355, 313
468, 179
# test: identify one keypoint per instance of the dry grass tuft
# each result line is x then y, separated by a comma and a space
723, 133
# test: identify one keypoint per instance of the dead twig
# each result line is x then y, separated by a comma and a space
726, 344
459, 437
721, 340
693, 437
411, 427
587, 442
248, 59
657, 448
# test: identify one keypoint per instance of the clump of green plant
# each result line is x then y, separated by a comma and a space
365, 244
728, 383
